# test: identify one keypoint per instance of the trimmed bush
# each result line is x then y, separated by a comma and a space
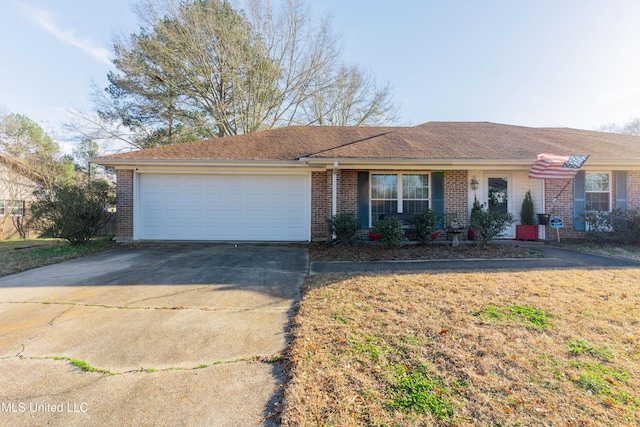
424, 224
345, 226
597, 224
390, 230
490, 225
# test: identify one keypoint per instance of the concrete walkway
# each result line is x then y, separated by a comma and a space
555, 258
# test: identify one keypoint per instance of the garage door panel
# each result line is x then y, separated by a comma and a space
224, 207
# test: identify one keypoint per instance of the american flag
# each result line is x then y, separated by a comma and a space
551, 166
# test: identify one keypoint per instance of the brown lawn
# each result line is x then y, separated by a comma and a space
535, 348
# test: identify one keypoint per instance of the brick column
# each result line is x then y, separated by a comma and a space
124, 205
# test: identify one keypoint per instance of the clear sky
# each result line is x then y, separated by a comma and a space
573, 63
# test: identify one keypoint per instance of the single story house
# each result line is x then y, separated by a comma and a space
282, 184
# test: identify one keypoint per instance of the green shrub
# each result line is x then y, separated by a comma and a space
625, 224
390, 230
76, 213
424, 224
490, 225
345, 226
597, 224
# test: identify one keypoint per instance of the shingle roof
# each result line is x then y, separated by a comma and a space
288, 143
479, 141
433, 140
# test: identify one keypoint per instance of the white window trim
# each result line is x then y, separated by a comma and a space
399, 191
610, 173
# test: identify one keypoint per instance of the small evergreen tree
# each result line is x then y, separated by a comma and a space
476, 210
526, 213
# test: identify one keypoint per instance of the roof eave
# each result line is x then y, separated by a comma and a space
131, 163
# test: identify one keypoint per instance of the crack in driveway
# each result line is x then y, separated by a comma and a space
126, 307
83, 367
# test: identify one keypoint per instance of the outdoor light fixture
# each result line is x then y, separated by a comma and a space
474, 183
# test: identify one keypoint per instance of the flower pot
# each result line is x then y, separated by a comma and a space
471, 234
543, 219
527, 232
374, 237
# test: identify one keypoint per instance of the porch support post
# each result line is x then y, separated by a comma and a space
334, 189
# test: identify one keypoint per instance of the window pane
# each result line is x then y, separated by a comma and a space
415, 206
2, 208
382, 207
415, 186
597, 201
384, 186
596, 182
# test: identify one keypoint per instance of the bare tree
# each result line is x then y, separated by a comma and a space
206, 68
632, 128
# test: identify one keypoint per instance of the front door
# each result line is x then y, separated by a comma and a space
499, 198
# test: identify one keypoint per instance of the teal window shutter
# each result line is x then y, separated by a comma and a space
437, 195
578, 201
621, 190
363, 199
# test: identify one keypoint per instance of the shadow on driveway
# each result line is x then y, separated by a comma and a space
188, 332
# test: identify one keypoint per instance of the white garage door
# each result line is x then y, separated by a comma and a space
224, 207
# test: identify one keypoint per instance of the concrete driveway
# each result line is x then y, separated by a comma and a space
177, 334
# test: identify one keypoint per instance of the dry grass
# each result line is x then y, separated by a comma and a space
536, 348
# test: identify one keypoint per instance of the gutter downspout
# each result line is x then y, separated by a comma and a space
334, 189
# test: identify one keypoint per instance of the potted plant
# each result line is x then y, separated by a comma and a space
527, 229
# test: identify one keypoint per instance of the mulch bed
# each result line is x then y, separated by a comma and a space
320, 251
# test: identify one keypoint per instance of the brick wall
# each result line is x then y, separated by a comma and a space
348, 192
320, 204
321, 199
456, 198
124, 205
633, 190
563, 208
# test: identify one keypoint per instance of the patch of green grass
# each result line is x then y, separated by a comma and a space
202, 366
535, 318
417, 391
578, 347
602, 381
82, 365
592, 381
372, 346
338, 317
22, 255
613, 373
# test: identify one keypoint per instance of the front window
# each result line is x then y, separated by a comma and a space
415, 193
399, 193
597, 191
384, 194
